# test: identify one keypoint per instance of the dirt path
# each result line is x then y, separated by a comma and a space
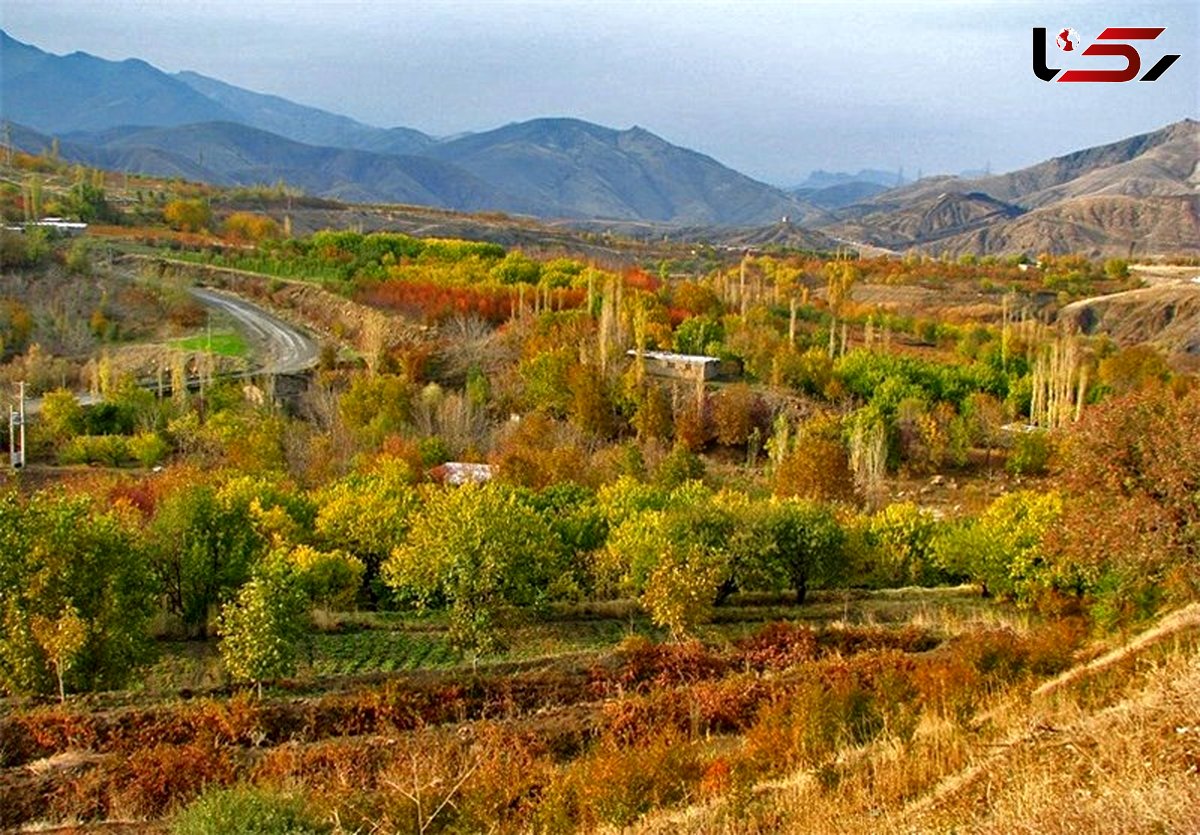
1165, 313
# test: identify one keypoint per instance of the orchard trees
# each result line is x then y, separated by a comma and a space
675, 558
685, 551
477, 549
76, 594
263, 626
1004, 548
802, 542
367, 515
203, 548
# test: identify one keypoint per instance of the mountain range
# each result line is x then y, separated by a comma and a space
1137, 194
130, 116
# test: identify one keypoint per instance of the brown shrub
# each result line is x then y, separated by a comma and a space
616, 785
778, 646
156, 780
43, 733
646, 665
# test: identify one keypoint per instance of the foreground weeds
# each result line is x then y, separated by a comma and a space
853, 718
1108, 746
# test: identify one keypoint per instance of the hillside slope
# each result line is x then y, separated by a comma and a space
309, 125
1140, 192
1166, 316
577, 169
79, 92
225, 153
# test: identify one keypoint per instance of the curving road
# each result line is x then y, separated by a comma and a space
282, 348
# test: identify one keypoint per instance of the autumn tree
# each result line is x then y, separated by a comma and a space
76, 595
330, 579
263, 626
816, 464
692, 422
367, 515
652, 418
1130, 473
985, 416
375, 406
736, 413
61, 638
1133, 368
188, 215
477, 550
248, 227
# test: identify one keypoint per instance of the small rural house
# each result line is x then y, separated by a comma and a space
693, 367
458, 473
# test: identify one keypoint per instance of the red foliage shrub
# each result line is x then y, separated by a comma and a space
778, 646
43, 733
646, 665
852, 640
336, 765
155, 780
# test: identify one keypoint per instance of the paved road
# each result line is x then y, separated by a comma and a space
280, 348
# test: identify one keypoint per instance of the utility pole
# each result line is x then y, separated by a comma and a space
16, 430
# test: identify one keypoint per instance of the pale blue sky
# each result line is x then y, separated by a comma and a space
774, 89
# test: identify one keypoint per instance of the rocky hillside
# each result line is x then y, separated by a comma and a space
1140, 192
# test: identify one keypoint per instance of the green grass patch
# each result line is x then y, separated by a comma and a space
223, 343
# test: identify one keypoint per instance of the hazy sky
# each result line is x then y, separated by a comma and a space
774, 89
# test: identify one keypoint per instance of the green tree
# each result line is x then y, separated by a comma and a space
695, 334
799, 541
368, 516
244, 810
88, 202
263, 626
477, 550
204, 547
61, 417
677, 559
1003, 550
902, 535
76, 595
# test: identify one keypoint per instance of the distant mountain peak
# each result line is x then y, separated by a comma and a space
1080, 201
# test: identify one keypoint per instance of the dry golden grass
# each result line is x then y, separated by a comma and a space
1111, 746
1133, 767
